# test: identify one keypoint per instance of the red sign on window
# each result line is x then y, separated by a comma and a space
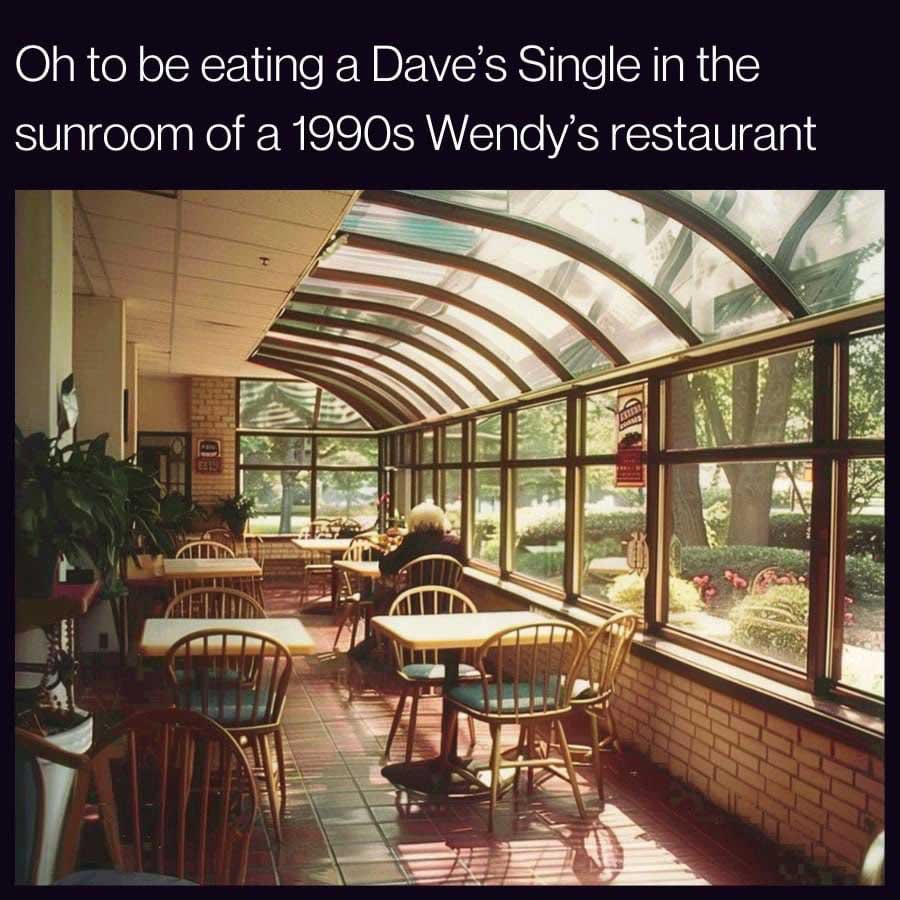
630, 469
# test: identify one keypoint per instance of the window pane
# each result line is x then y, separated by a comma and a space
282, 500
541, 431
341, 451
867, 385
739, 562
351, 493
453, 497
426, 486
760, 401
427, 446
255, 449
486, 530
539, 526
487, 437
407, 447
453, 443
862, 664
613, 517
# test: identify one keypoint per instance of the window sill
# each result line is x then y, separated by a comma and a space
819, 714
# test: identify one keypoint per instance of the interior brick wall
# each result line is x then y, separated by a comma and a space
808, 792
213, 416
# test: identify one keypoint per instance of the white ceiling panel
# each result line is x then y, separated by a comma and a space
198, 297
133, 206
235, 226
224, 290
299, 207
107, 229
217, 272
235, 253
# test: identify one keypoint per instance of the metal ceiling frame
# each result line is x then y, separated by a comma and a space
381, 350
721, 235
457, 300
495, 273
426, 321
304, 349
528, 230
391, 334
354, 378
378, 418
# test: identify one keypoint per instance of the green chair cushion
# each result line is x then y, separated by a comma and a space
514, 697
429, 671
226, 712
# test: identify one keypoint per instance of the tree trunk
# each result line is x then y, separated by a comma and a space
751, 483
687, 504
288, 480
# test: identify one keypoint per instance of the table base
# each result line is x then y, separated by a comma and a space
431, 778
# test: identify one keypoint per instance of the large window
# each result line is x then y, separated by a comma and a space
296, 471
741, 513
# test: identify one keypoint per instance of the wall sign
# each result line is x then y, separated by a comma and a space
209, 464
209, 447
630, 468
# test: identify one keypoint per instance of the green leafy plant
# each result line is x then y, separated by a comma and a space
236, 511
177, 514
79, 502
774, 622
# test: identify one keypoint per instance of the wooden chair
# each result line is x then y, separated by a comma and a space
176, 797
419, 669
871, 873
214, 603
30, 791
250, 706
220, 536
254, 547
205, 549
317, 564
201, 549
435, 568
605, 653
350, 599
533, 671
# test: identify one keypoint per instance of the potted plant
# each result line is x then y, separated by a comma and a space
236, 511
77, 502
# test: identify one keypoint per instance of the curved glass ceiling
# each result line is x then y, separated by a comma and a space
272, 405
471, 295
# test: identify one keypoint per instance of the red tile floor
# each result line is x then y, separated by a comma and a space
345, 824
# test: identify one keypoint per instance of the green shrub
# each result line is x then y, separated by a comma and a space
865, 534
774, 623
865, 577
627, 592
486, 528
597, 527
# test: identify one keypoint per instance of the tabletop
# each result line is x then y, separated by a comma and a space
456, 631
609, 565
365, 568
240, 567
160, 634
323, 545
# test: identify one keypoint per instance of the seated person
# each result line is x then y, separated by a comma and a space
428, 534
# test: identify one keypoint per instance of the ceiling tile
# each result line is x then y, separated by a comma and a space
317, 208
252, 229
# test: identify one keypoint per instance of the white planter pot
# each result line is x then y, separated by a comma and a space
58, 782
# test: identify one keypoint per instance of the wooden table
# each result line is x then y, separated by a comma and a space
160, 634
449, 635
322, 545
238, 567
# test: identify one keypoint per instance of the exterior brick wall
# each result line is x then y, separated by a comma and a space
213, 416
806, 791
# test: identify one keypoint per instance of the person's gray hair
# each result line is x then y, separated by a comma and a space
427, 517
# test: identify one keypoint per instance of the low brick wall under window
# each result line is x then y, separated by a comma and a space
805, 790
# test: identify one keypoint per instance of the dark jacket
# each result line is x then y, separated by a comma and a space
421, 543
